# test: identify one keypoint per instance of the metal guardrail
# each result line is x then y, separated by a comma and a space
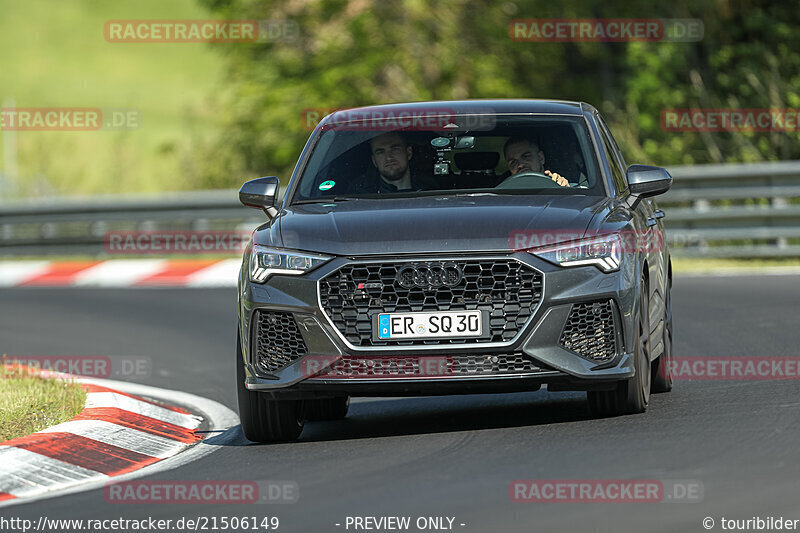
734, 210
741, 210
80, 225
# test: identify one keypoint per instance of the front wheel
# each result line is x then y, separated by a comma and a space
264, 419
632, 395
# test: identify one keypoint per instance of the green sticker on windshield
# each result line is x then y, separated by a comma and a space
325, 185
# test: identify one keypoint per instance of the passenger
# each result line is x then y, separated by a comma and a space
390, 154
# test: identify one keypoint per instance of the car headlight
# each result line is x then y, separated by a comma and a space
265, 262
604, 252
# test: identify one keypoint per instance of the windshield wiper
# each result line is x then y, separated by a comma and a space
327, 200
476, 193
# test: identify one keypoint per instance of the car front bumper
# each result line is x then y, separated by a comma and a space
331, 365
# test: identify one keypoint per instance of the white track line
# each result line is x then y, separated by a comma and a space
124, 437
222, 431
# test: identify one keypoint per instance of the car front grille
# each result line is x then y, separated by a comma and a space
414, 367
506, 289
590, 331
277, 340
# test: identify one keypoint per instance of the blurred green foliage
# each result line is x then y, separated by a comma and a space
215, 114
361, 52
54, 54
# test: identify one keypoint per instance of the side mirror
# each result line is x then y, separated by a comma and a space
261, 193
645, 181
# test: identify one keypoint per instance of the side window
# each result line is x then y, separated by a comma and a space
613, 142
610, 148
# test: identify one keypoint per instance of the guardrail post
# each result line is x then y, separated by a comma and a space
780, 202
147, 225
99, 228
201, 224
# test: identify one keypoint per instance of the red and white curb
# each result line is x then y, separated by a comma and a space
121, 273
119, 435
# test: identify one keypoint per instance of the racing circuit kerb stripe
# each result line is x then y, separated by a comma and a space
124, 437
140, 423
121, 273
59, 458
91, 387
84, 452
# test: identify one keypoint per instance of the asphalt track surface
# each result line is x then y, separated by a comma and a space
456, 456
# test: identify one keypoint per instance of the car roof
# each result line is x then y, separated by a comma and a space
487, 106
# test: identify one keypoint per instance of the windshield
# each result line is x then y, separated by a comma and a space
468, 154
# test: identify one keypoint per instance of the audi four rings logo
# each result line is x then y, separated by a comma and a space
429, 276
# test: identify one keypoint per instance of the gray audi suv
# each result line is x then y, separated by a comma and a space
453, 247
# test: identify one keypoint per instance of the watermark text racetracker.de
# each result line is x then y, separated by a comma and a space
606, 30
419, 119
387, 367
605, 491
200, 31
748, 368
92, 366
629, 241
69, 119
177, 492
176, 242
731, 120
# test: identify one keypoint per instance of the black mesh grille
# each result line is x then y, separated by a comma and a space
277, 340
431, 366
508, 290
590, 331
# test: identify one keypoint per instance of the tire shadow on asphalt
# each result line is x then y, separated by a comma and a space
370, 417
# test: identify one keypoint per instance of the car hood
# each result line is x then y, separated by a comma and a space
434, 224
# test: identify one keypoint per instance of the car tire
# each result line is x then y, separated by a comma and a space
632, 395
264, 419
662, 367
328, 408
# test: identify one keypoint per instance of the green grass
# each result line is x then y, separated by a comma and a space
29, 404
56, 56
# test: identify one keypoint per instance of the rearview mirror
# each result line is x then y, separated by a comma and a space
261, 193
465, 142
645, 181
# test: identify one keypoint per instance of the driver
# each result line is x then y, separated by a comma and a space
524, 155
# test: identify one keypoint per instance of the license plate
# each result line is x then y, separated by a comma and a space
444, 324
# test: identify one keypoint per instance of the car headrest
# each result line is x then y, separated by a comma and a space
471, 161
